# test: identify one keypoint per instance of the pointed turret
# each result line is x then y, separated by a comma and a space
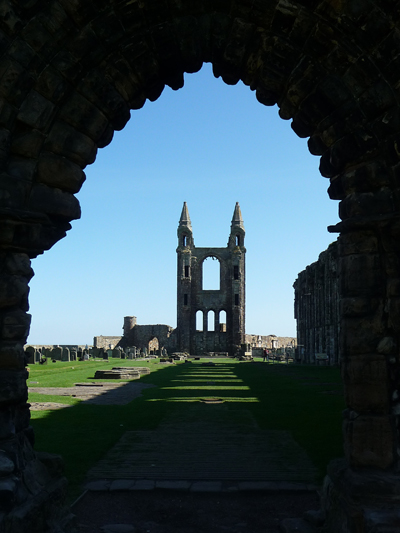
185, 218
185, 232
237, 220
236, 237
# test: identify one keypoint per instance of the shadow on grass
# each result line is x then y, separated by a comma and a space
285, 397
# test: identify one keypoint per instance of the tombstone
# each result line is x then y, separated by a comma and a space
95, 352
104, 354
109, 353
116, 352
85, 356
30, 354
56, 353
65, 356
145, 352
164, 352
38, 356
73, 355
80, 354
46, 352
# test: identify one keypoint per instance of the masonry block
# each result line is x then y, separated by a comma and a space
370, 441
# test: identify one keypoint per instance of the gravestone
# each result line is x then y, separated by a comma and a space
30, 352
95, 352
56, 353
65, 356
72, 355
109, 353
46, 352
116, 353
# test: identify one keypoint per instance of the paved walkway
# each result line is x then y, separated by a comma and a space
205, 448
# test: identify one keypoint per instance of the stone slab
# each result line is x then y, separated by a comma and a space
98, 485
206, 486
143, 484
173, 485
122, 484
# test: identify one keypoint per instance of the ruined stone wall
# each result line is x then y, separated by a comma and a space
142, 335
72, 71
317, 308
104, 342
270, 341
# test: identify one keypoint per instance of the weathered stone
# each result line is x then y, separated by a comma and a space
58, 171
366, 383
54, 201
36, 111
13, 385
370, 441
12, 356
364, 275
361, 335
84, 116
12, 290
6, 465
8, 489
67, 141
387, 346
333, 66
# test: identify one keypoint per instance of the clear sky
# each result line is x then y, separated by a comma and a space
208, 144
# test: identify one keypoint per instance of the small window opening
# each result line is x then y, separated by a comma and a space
222, 321
235, 271
187, 270
210, 321
185, 299
199, 321
184, 240
237, 240
236, 299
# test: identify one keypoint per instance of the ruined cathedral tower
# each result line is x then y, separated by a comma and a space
213, 333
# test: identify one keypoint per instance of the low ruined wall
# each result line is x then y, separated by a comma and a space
104, 342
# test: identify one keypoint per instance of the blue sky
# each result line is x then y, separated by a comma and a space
208, 144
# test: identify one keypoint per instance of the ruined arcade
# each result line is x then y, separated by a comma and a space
72, 71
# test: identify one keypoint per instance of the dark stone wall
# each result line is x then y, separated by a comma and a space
71, 71
316, 309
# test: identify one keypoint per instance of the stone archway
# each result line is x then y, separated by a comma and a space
71, 71
153, 346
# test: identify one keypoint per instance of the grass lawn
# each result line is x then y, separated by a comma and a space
305, 400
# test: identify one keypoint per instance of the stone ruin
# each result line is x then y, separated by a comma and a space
317, 313
72, 71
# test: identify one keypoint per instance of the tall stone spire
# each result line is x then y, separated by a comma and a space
185, 218
185, 232
236, 238
237, 220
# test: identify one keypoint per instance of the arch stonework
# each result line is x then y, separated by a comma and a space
72, 70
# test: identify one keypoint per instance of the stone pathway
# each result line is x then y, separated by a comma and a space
205, 448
